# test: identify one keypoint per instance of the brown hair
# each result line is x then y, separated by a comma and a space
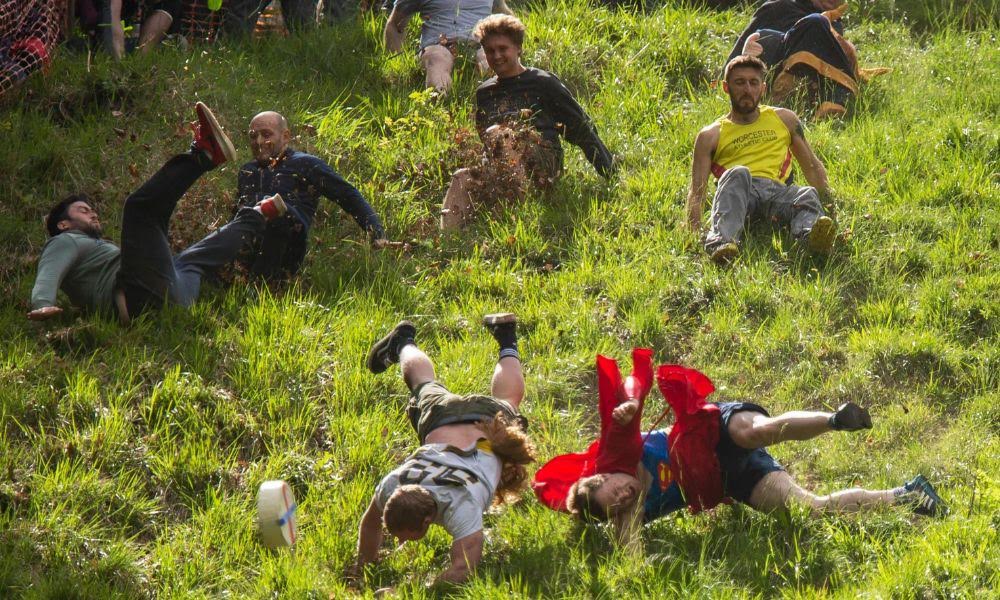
744, 61
581, 502
500, 24
512, 447
407, 509
60, 211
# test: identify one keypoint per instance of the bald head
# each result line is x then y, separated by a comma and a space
269, 136
271, 119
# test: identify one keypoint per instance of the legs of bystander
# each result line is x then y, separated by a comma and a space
438, 62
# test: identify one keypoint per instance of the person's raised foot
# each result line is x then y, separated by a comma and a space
821, 236
272, 207
210, 138
501, 326
385, 352
724, 254
850, 417
923, 497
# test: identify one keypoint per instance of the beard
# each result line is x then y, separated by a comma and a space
94, 231
739, 106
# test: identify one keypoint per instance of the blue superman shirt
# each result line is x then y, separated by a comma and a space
664, 495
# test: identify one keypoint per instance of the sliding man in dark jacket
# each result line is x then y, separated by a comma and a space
804, 38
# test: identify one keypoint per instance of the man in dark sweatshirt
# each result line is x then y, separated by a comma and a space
300, 179
520, 115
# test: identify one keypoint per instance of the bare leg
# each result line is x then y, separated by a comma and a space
778, 490
114, 35
416, 366
457, 206
754, 430
153, 30
508, 381
438, 62
481, 64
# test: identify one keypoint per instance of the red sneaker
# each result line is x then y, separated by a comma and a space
210, 137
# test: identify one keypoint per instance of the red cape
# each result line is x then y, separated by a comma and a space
694, 435
619, 449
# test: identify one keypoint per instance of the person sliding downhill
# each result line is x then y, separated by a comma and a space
520, 114
750, 150
713, 453
473, 452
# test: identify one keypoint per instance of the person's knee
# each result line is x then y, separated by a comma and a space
438, 59
747, 431
737, 174
815, 21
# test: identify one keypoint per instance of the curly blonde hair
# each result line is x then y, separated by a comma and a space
514, 450
500, 24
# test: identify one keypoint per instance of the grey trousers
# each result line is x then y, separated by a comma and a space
740, 197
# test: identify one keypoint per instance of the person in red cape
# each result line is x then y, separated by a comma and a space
713, 453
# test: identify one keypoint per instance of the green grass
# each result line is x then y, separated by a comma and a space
130, 459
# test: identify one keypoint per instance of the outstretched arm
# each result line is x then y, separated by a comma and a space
465, 556
336, 188
812, 167
369, 536
395, 29
58, 257
578, 129
701, 166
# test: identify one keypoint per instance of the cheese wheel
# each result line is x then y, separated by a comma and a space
276, 514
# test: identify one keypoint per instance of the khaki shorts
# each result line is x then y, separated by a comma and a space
432, 406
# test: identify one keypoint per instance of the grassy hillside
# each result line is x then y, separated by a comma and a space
130, 459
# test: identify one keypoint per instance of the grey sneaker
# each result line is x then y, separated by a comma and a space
821, 236
850, 417
924, 498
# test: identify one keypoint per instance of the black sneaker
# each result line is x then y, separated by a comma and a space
921, 494
850, 417
502, 326
385, 352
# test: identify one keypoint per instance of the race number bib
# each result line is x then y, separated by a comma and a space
420, 470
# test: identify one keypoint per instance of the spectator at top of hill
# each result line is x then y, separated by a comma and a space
241, 15
103, 21
750, 150
446, 34
520, 114
804, 38
28, 31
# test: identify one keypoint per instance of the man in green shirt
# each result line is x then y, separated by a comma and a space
98, 276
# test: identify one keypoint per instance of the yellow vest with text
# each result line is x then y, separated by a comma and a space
763, 146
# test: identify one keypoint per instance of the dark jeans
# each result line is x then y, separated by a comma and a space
813, 51
150, 275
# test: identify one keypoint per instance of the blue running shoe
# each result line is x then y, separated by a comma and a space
925, 500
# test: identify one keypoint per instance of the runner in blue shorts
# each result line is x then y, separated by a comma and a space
749, 473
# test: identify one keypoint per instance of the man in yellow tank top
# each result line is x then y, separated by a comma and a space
750, 151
